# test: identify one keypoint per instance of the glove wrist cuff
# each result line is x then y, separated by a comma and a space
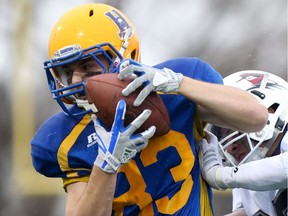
108, 163
112, 161
167, 80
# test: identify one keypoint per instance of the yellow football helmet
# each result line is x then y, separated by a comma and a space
91, 24
87, 31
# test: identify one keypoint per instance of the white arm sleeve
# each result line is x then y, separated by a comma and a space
261, 175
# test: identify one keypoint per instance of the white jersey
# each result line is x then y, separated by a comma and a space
261, 202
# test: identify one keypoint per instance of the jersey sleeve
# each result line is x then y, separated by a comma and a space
194, 68
44, 147
206, 73
64, 147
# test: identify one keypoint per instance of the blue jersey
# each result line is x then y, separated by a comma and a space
163, 179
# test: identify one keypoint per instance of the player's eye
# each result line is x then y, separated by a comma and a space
65, 74
92, 73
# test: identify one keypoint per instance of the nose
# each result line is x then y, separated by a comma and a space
238, 150
233, 149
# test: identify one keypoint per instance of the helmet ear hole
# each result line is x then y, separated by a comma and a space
273, 108
133, 55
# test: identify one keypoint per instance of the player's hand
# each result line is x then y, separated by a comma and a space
120, 145
211, 161
153, 79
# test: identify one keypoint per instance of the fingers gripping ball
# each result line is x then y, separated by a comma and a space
105, 91
154, 79
119, 145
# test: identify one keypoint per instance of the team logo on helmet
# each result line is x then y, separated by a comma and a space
119, 20
256, 79
253, 78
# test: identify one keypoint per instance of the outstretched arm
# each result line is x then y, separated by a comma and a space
220, 105
254, 175
225, 106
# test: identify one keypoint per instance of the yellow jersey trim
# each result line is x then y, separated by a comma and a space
68, 142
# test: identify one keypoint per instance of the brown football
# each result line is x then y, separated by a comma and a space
105, 91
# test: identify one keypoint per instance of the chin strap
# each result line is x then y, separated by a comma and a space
261, 150
124, 46
87, 106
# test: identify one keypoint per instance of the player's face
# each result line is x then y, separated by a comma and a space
81, 70
238, 149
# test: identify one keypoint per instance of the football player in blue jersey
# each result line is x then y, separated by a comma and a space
114, 171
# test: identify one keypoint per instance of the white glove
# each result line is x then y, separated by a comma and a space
120, 145
211, 161
153, 79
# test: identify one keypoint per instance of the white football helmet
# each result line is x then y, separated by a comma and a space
272, 92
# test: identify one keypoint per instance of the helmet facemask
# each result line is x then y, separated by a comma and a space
87, 31
64, 92
237, 148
